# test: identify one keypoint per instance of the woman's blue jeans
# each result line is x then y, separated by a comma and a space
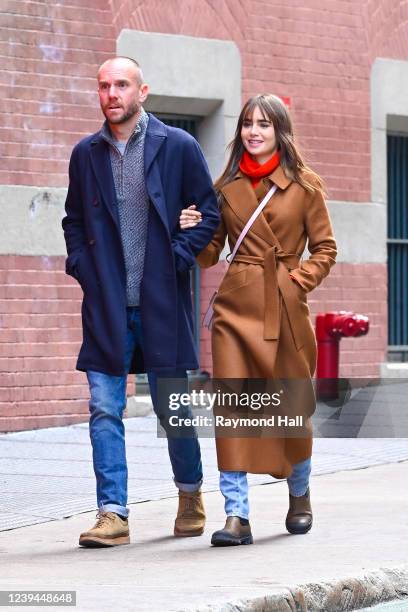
234, 487
107, 432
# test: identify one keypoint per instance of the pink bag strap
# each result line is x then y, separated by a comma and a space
250, 221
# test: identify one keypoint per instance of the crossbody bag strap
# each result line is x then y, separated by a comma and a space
209, 314
250, 221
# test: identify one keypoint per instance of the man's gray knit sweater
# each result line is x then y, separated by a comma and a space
133, 202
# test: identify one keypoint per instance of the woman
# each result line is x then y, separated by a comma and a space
262, 326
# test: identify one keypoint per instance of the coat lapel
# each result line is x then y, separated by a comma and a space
241, 197
103, 171
156, 136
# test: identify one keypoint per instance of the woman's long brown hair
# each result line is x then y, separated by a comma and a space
274, 110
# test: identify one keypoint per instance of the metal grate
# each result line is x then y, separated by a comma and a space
189, 124
397, 242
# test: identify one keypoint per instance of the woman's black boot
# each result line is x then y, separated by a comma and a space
299, 518
236, 531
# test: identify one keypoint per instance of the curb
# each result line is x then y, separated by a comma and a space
353, 593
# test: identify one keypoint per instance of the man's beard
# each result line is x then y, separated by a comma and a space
133, 109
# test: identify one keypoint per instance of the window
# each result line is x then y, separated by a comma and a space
397, 242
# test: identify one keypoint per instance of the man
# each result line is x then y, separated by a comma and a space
127, 186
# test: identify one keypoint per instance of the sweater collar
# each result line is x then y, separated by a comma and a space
140, 129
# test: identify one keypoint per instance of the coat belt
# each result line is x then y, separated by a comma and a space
278, 283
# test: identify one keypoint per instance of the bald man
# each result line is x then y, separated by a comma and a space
127, 186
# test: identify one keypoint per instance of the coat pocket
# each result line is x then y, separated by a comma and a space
233, 281
87, 276
302, 294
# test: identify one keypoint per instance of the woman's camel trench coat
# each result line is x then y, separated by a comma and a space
262, 326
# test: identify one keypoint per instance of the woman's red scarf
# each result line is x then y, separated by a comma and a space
256, 171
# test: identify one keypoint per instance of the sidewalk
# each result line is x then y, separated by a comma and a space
360, 527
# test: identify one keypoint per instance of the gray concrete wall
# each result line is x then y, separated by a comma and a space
360, 231
31, 220
192, 76
31, 225
389, 110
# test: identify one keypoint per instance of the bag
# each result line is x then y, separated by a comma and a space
209, 313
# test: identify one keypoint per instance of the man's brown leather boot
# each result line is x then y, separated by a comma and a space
299, 518
109, 530
236, 531
190, 519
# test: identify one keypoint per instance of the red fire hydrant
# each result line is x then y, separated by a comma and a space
330, 328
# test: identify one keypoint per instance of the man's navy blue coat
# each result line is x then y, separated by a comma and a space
176, 175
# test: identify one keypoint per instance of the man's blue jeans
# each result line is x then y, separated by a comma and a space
234, 487
107, 432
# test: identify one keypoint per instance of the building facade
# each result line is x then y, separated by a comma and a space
343, 66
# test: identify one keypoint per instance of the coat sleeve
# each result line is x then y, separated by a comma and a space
211, 254
197, 189
321, 244
72, 223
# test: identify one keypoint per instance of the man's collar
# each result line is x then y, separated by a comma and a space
140, 127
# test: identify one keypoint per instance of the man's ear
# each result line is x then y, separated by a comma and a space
143, 92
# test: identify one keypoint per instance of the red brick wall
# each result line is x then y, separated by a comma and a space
40, 336
50, 56
40, 330
362, 289
387, 28
51, 52
222, 19
317, 53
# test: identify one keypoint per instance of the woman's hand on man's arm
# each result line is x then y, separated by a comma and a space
190, 217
